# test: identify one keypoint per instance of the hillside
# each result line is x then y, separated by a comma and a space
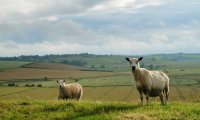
114, 85
5, 65
109, 91
113, 62
47, 65
87, 110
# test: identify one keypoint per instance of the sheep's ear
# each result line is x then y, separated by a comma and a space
63, 80
128, 59
140, 58
57, 81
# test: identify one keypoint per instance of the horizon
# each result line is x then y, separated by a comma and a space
129, 27
102, 54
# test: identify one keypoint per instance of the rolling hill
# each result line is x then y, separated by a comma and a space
107, 95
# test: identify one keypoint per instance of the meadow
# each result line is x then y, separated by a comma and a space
11, 64
108, 84
90, 110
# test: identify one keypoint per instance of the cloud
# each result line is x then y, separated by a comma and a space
99, 27
125, 4
115, 46
14, 10
49, 29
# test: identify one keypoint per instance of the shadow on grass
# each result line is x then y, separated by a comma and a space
98, 109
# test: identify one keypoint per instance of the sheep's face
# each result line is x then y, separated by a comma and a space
134, 63
61, 83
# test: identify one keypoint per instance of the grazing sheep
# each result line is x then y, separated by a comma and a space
149, 83
70, 91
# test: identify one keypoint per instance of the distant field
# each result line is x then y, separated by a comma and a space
98, 86
115, 93
11, 64
33, 73
55, 66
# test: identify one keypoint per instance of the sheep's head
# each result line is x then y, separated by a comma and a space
134, 63
61, 83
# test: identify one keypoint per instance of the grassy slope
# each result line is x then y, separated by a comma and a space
11, 64
55, 66
40, 109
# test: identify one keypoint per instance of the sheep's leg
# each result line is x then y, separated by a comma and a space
161, 99
59, 97
147, 98
167, 94
141, 97
147, 95
79, 95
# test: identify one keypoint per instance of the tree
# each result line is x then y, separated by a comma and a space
92, 67
102, 66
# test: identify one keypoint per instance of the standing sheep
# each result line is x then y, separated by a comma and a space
149, 83
70, 91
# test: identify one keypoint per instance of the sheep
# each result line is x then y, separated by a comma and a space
69, 91
149, 83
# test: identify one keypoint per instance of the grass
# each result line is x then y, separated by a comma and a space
11, 64
113, 93
88, 110
57, 66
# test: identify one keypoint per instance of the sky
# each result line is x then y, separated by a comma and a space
122, 27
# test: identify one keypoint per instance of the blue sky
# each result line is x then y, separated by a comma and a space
128, 27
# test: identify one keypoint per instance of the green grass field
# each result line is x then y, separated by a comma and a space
11, 64
89, 110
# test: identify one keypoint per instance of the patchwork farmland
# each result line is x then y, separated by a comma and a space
119, 93
99, 84
109, 90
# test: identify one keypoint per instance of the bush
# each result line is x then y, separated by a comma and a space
39, 85
11, 84
92, 66
76, 79
30, 85
45, 78
75, 62
102, 66
166, 71
27, 85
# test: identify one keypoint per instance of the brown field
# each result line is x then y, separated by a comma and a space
33, 73
46, 65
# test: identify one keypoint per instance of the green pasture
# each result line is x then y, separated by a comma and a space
11, 64
89, 110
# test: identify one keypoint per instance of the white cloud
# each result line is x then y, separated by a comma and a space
15, 10
100, 26
114, 46
49, 29
50, 18
114, 5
